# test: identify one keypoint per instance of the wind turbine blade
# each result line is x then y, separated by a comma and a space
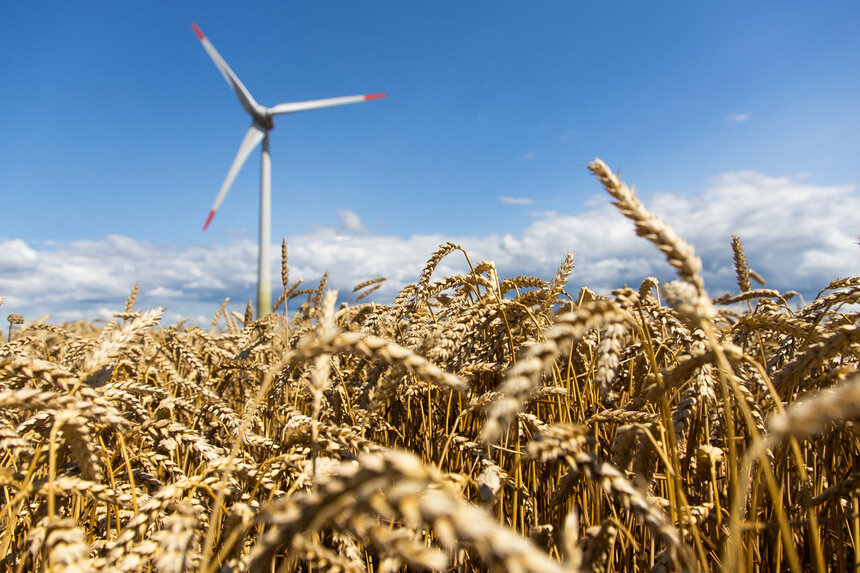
245, 98
282, 108
252, 138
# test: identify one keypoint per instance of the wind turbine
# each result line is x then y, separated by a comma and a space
263, 122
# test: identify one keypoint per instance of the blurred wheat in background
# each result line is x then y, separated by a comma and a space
475, 423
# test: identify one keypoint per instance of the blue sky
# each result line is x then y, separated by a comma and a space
116, 131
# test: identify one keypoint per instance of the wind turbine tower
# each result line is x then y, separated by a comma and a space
262, 122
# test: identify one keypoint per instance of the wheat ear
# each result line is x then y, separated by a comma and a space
679, 253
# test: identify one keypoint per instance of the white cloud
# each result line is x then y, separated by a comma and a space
738, 117
516, 200
16, 254
162, 292
798, 235
530, 155
350, 221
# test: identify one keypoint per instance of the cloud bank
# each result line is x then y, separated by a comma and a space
797, 235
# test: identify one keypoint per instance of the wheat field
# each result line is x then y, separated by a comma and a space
474, 423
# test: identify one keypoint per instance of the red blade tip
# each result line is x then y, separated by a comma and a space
374, 96
197, 31
208, 219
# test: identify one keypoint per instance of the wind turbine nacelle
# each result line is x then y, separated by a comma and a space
265, 122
